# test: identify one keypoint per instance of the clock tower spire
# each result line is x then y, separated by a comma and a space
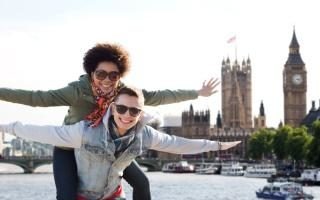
294, 85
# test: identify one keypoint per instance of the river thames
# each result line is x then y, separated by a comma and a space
164, 186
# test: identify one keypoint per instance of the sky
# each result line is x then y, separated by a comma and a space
173, 44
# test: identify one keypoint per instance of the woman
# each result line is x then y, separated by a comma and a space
103, 152
88, 98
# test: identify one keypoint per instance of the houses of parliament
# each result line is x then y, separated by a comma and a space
235, 121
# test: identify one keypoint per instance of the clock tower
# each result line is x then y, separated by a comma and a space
294, 85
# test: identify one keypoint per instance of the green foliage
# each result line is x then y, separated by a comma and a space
287, 142
260, 144
314, 147
254, 148
297, 143
316, 128
280, 142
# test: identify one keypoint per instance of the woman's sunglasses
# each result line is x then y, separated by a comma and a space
122, 109
112, 76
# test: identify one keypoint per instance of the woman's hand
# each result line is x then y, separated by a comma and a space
209, 88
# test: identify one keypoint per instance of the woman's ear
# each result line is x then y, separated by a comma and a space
91, 75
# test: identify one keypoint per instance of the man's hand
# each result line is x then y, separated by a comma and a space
227, 145
209, 88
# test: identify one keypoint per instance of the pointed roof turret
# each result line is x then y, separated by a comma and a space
261, 109
219, 120
191, 109
313, 108
248, 61
294, 54
294, 42
243, 62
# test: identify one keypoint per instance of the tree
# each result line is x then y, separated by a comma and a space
279, 142
314, 147
255, 151
297, 144
260, 144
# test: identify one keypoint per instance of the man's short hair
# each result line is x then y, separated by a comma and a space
131, 91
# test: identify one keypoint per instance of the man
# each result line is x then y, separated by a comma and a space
103, 152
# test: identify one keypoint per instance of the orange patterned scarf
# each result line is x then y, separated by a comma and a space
103, 101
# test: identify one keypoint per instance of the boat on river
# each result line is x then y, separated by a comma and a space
178, 167
260, 171
206, 168
309, 177
282, 191
232, 170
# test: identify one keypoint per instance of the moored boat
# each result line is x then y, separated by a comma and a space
309, 177
206, 168
232, 170
260, 171
178, 167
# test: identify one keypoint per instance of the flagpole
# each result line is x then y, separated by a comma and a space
233, 40
235, 50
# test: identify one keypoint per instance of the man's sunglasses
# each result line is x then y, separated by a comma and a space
122, 109
112, 76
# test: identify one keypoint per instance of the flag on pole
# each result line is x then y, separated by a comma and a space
232, 39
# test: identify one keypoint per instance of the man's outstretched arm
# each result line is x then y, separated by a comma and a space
66, 135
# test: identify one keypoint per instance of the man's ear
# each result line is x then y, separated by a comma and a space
112, 108
141, 115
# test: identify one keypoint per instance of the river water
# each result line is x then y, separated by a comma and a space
164, 186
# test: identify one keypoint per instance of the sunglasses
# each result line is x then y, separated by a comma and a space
122, 109
112, 76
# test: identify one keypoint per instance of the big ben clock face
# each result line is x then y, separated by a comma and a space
297, 79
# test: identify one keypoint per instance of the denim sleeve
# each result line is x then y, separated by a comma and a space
178, 145
65, 136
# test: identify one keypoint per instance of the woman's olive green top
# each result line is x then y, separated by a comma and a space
78, 96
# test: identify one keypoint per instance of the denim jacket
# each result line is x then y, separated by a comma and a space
98, 151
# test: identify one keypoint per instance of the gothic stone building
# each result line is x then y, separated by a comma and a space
260, 120
196, 125
312, 116
236, 94
294, 85
236, 120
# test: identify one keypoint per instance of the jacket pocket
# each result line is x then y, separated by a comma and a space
99, 152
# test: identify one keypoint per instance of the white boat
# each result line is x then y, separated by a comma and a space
260, 171
282, 191
311, 175
206, 168
232, 170
178, 167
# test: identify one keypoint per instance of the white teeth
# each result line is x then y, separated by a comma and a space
125, 121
